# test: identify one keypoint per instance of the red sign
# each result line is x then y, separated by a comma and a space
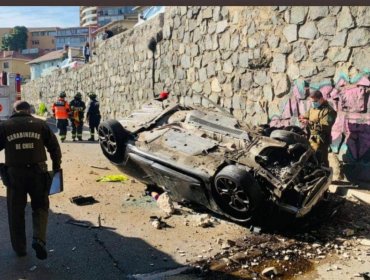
1, 107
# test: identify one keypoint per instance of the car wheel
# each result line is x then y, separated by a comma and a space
288, 137
236, 193
113, 140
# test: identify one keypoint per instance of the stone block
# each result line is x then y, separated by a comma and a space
308, 31
284, 48
227, 89
273, 41
361, 59
261, 78
211, 27
228, 103
243, 60
290, 32
215, 85
185, 61
327, 26
281, 84
318, 12
337, 54
180, 74
268, 93
246, 81
363, 16
293, 71
358, 37
225, 41
207, 13
202, 73
197, 87
234, 43
318, 49
211, 71
278, 63
339, 40
298, 14
299, 52
221, 26
207, 89
215, 97
345, 19
228, 67
191, 75
308, 69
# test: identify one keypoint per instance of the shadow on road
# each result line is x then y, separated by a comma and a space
79, 253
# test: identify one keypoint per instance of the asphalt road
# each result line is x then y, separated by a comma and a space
132, 247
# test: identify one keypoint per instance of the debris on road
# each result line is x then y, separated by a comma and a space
165, 203
113, 178
205, 220
99, 167
83, 200
365, 242
158, 223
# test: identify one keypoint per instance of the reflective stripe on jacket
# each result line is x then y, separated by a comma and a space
61, 109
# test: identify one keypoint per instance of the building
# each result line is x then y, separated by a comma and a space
147, 12
14, 62
88, 16
59, 59
99, 15
42, 38
74, 37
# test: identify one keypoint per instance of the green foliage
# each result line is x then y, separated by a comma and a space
42, 109
16, 40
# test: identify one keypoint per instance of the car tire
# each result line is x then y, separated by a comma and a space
113, 139
288, 137
237, 193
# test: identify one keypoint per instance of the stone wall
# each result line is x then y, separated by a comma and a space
247, 59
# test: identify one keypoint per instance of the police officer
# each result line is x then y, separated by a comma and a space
320, 119
24, 139
60, 111
93, 116
77, 116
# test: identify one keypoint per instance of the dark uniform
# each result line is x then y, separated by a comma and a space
77, 116
93, 116
24, 139
320, 122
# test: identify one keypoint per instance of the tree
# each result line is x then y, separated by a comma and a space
16, 40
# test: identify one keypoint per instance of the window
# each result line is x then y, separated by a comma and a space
35, 42
6, 65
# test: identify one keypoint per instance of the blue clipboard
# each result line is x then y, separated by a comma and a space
57, 182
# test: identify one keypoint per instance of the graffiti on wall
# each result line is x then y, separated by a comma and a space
350, 98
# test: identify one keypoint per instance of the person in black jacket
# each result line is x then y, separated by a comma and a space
24, 139
77, 116
93, 116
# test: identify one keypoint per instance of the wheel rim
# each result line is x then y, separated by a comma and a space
107, 140
232, 194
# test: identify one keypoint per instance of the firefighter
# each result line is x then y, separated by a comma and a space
61, 112
77, 116
24, 139
319, 119
93, 116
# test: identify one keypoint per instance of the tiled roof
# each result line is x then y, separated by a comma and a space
13, 54
54, 55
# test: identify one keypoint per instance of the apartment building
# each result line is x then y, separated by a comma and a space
74, 37
14, 62
99, 16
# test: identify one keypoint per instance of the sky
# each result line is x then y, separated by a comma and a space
41, 16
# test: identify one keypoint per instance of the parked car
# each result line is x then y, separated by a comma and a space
206, 157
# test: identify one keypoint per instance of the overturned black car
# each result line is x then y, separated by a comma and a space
206, 157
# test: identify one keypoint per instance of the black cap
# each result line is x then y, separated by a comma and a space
21, 106
316, 94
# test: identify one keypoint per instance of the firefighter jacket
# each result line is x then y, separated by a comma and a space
77, 110
24, 139
61, 109
320, 122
